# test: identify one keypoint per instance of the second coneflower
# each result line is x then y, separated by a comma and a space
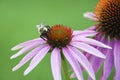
64, 44
107, 14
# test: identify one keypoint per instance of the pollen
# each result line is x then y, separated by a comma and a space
59, 36
108, 14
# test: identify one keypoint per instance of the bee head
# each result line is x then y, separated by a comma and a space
41, 28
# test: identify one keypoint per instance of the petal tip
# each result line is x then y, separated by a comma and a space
90, 15
106, 46
104, 57
109, 47
14, 69
25, 73
72, 76
13, 48
12, 57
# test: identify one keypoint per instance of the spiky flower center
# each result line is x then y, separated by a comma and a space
108, 13
59, 36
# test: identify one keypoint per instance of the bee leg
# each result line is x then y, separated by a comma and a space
42, 37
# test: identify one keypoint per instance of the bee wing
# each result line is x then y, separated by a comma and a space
40, 25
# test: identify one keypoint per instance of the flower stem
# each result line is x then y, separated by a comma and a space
64, 68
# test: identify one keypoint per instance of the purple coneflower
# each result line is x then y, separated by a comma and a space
64, 44
107, 14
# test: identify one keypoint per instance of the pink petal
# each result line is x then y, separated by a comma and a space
76, 32
73, 62
56, 64
83, 61
90, 41
25, 49
85, 33
96, 64
91, 16
109, 62
39, 40
36, 60
95, 61
29, 56
88, 48
117, 59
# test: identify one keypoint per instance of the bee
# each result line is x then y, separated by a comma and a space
43, 30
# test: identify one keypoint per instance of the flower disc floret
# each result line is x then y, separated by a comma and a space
59, 36
108, 14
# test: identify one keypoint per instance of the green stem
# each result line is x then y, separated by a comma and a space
64, 68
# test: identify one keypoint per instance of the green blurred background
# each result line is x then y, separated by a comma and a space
18, 20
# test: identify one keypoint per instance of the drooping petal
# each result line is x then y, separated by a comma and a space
85, 33
29, 56
83, 61
87, 48
109, 62
30, 42
73, 62
91, 16
25, 49
56, 64
37, 59
117, 59
90, 41
95, 61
